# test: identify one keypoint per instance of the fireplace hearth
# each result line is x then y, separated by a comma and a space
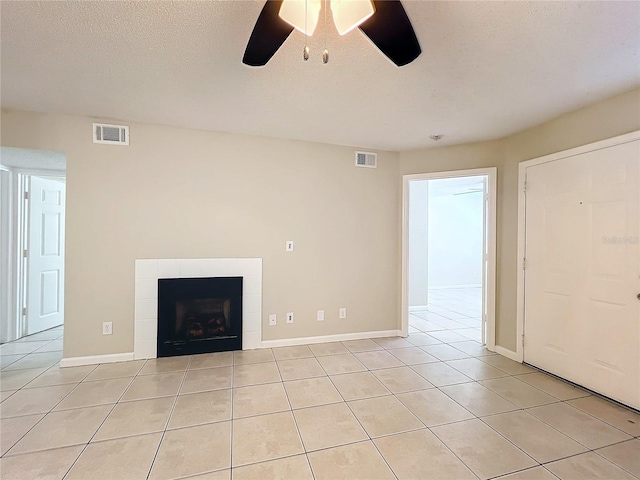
199, 315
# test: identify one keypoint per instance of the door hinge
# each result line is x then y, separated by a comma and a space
522, 340
26, 195
25, 252
524, 263
24, 311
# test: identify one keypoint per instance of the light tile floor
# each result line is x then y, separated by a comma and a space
416, 408
453, 315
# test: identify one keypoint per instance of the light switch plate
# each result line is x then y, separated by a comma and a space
272, 319
320, 315
343, 312
290, 317
289, 246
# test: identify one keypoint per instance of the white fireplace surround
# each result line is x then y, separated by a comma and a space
147, 273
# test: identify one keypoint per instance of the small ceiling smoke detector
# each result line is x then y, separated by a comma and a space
435, 137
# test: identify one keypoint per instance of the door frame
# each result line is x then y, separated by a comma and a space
490, 283
18, 232
522, 217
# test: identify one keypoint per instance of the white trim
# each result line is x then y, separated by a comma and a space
42, 172
492, 234
285, 342
404, 248
590, 147
340, 337
507, 353
95, 359
522, 206
492, 178
8, 284
522, 175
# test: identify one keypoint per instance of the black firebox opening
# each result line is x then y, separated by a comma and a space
199, 315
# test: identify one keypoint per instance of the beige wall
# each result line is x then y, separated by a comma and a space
612, 117
177, 193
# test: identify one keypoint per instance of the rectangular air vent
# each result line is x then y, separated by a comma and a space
110, 134
366, 159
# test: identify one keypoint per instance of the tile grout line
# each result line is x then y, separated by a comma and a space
476, 417
360, 423
358, 420
460, 421
173, 406
569, 436
439, 388
231, 420
524, 410
596, 451
295, 420
597, 418
44, 414
86, 445
353, 414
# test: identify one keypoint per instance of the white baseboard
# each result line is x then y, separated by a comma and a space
95, 359
285, 342
341, 337
510, 354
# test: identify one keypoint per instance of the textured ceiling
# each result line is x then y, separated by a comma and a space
487, 69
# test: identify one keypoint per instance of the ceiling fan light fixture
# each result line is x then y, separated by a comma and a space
293, 12
349, 14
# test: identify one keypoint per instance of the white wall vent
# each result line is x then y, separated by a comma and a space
366, 159
110, 134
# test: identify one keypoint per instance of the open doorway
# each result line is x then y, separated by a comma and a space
32, 227
449, 255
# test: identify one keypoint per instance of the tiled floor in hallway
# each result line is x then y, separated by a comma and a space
455, 310
424, 407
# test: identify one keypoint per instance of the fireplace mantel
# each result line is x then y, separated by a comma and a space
148, 271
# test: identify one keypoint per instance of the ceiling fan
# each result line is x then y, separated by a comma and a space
385, 22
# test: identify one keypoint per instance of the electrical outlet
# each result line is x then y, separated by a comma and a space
288, 247
272, 319
320, 316
343, 313
290, 317
107, 328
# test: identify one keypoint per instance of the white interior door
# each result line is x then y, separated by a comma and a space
582, 276
45, 254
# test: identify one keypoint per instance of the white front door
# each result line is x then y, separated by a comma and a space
45, 254
582, 276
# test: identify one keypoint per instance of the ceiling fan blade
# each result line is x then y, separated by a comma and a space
269, 33
391, 31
